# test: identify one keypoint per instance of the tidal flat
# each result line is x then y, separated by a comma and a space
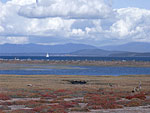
73, 93
74, 67
56, 94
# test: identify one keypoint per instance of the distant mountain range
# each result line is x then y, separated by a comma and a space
105, 53
135, 49
130, 47
130, 54
36, 48
94, 52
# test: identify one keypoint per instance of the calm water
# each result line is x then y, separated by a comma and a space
80, 70
77, 58
22, 69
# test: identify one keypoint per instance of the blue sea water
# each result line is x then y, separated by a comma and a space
78, 70
77, 58
85, 70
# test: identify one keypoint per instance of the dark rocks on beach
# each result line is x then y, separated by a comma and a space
77, 82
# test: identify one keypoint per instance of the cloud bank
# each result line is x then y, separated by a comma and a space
68, 9
59, 21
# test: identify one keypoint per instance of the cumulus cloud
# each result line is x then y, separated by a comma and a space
86, 22
21, 2
14, 40
13, 24
131, 22
1, 29
68, 9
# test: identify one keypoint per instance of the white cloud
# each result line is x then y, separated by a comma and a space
131, 22
14, 40
13, 24
68, 9
128, 24
1, 29
21, 2
78, 32
121, 27
49, 27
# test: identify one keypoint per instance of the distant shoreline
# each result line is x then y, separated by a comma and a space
122, 63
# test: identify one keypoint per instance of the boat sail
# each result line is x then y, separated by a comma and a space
47, 55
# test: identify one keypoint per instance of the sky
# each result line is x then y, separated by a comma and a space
94, 22
144, 4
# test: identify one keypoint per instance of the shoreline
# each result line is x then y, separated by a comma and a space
80, 63
102, 76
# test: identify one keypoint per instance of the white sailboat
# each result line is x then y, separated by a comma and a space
47, 55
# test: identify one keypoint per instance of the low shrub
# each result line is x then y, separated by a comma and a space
134, 102
139, 96
23, 111
4, 97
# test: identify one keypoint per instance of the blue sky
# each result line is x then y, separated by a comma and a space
94, 22
131, 3
126, 3
3, 1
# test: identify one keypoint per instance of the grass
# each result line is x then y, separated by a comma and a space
61, 81
52, 91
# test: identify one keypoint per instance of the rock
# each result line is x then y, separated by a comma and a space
77, 82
